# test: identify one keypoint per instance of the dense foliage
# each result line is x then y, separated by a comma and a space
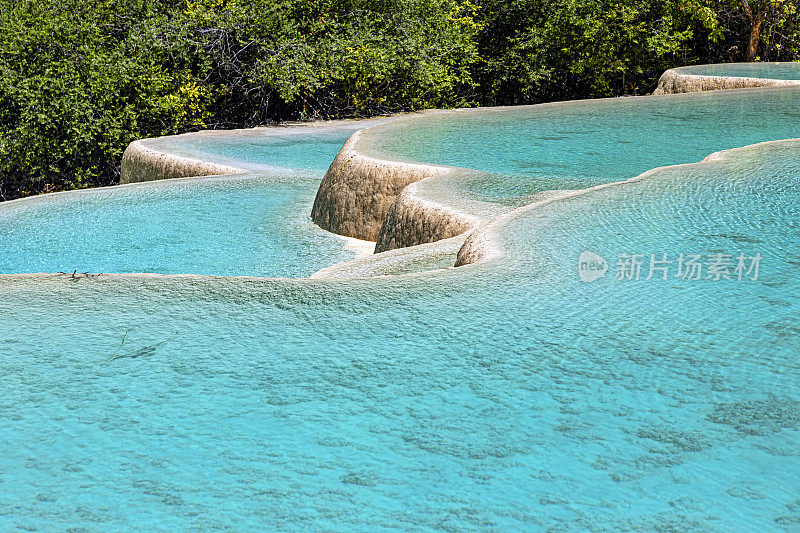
80, 79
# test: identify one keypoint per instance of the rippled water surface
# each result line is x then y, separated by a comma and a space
775, 71
579, 144
252, 225
505, 396
265, 147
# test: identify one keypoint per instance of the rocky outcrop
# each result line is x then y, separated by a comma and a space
401, 261
673, 81
413, 220
140, 163
358, 191
477, 248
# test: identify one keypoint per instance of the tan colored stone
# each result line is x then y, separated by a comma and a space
672, 82
358, 191
140, 163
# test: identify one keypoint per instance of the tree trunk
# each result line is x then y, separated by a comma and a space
755, 36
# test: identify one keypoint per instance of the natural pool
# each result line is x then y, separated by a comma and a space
573, 145
243, 226
502, 395
253, 224
774, 71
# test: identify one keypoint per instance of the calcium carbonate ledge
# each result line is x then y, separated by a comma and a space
677, 81
485, 245
413, 220
415, 260
140, 163
383, 200
370, 199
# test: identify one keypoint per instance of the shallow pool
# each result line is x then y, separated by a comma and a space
774, 71
254, 224
572, 145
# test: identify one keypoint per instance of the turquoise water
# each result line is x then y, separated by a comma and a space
286, 147
579, 144
507, 395
775, 71
256, 224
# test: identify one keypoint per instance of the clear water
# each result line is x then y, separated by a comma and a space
295, 147
579, 144
256, 224
502, 396
775, 71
